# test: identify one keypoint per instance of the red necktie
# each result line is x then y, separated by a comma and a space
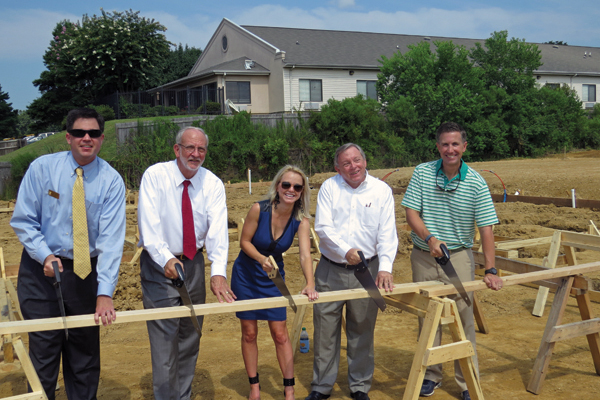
189, 235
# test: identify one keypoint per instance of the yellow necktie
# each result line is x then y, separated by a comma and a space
81, 245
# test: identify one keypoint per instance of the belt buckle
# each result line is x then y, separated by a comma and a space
182, 257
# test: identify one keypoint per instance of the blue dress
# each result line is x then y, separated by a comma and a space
249, 280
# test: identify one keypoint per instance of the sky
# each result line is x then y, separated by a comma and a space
26, 27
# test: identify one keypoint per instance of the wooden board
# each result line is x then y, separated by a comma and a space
516, 279
79, 321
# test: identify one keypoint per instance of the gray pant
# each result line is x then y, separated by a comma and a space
174, 343
425, 268
361, 315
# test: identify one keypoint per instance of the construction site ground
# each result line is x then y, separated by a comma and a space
506, 354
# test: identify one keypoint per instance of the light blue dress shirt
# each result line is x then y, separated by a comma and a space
43, 213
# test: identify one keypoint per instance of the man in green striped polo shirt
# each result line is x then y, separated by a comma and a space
445, 200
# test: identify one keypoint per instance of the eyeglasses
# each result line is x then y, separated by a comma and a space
297, 188
450, 187
191, 149
79, 133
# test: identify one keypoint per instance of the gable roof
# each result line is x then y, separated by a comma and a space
347, 49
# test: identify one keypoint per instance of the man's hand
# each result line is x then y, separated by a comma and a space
104, 310
385, 280
170, 271
434, 247
352, 257
493, 282
48, 269
219, 286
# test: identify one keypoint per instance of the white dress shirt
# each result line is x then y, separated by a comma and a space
362, 218
160, 220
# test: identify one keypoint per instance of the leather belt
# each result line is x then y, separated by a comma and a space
348, 266
451, 251
183, 257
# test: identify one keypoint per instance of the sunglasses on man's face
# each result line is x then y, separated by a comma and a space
79, 133
297, 188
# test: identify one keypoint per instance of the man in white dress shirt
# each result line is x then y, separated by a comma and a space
355, 212
163, 218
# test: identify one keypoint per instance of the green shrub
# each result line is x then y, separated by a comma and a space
213, 107
19, 166
150, 145
106, 111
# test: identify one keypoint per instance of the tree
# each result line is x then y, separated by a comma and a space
24, 124
507, 67
559, 42
176, 65
508, 64
423, 88
8, 116
102, 54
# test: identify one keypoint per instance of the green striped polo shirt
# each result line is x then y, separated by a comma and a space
452, 208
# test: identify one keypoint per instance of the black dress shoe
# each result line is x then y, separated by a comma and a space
360, 396
317, 396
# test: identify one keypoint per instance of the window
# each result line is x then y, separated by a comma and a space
224, 43
589, 93
238, 92
553, 85
367, 89
310, 90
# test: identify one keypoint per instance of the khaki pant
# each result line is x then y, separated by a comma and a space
425, 268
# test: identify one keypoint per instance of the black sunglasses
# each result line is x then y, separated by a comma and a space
297, 188
79, 133
451, 186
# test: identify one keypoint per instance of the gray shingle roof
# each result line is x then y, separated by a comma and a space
346, 49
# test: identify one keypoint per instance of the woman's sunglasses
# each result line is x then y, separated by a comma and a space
79, 133
297, 188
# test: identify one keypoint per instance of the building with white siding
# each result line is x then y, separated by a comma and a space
271, 70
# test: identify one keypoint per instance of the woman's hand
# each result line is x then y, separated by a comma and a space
310, 291
266, 265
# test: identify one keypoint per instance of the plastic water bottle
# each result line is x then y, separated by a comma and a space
304, 341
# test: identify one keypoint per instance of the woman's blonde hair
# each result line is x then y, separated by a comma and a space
302, 205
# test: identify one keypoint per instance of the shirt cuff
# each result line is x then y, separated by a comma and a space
42, 254
218, 270
344, 248
386, 267
105, 289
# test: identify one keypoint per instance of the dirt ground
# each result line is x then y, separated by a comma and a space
506, 354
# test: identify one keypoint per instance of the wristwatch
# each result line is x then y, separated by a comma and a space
428, 238
491, 271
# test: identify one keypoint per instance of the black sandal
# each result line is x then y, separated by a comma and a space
253, 381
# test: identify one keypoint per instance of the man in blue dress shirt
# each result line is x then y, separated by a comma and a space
43, 223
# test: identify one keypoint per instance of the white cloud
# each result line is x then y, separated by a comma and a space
344, 3
26, 34
195, 30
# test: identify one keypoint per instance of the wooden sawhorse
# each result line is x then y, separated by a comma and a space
554, 332
436, 311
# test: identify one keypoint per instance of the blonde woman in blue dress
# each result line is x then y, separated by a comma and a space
269, 230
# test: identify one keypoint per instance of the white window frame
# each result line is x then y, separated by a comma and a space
362, 87
310, 90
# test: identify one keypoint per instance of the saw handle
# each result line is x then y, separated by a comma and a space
178, 282
275, 268
56, 271
446, 257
